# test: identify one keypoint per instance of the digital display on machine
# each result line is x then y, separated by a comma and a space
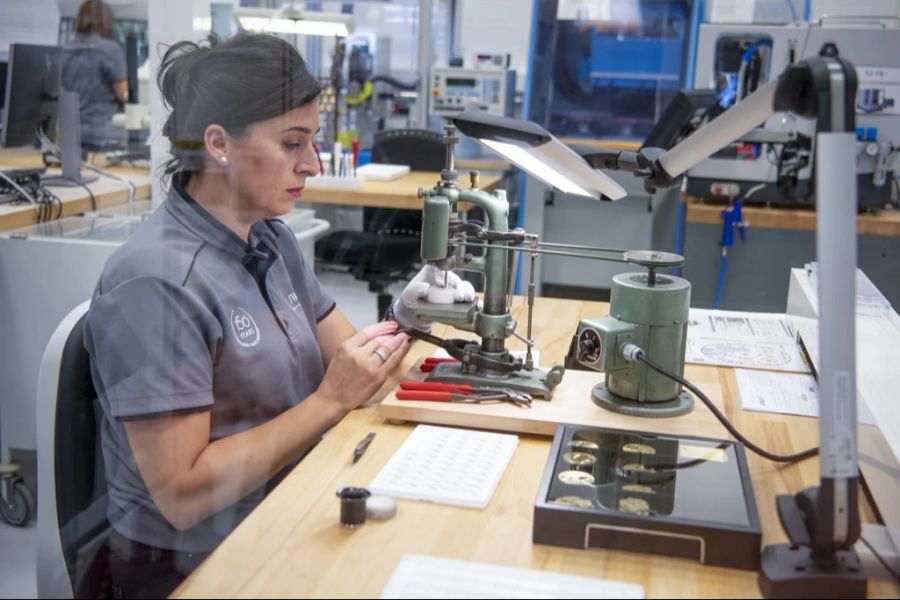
459, 82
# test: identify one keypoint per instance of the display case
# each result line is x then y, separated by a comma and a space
679, 496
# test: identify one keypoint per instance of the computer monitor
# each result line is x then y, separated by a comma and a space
35, 101
33, 83
3, 64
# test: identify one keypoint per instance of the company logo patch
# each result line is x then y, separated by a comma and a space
244, 328
294, 300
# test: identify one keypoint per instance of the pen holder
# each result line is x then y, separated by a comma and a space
353, 505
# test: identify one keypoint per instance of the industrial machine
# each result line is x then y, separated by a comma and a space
446, 240
648, 311
606, 70
454, 90
774, 163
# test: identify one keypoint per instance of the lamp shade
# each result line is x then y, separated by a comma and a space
537, 152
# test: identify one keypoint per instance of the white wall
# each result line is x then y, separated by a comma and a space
495, 27
28, 21
858, 8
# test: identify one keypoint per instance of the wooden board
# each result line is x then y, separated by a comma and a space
571, 403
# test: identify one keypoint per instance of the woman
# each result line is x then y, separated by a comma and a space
94, 67
218, 358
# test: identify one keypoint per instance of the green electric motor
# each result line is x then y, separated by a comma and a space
649, 311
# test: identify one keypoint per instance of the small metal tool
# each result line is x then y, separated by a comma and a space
362, 446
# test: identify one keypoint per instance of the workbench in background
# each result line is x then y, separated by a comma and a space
778, 239
107, 192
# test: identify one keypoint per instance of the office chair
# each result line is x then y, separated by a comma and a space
387, 248
72, 554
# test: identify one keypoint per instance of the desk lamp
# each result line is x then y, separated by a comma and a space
822, 523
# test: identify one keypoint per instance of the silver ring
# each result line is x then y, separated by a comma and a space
383, 353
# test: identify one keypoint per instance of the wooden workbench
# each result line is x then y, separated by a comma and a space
398, 193
882, 222
107, 191
293, 545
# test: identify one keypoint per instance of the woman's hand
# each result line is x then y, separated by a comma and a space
358, 370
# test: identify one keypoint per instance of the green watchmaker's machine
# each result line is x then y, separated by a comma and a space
650, 311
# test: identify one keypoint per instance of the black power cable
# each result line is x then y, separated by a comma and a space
641, 356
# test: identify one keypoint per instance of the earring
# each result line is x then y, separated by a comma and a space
223, 160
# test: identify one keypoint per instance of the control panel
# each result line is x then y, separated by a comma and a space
454, 90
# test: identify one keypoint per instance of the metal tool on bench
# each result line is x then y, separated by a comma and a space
411, 389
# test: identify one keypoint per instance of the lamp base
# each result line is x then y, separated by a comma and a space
789, 571
682, 404
540, 383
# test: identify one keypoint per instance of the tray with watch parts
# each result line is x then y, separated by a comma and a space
680, 496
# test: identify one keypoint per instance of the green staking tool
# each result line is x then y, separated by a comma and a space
649, 311
446, 238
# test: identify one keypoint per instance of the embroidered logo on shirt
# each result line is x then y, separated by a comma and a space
244, 327
294, 300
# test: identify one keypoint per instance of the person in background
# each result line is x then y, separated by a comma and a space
93, 65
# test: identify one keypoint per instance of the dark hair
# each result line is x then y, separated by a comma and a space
245, 79
95, 16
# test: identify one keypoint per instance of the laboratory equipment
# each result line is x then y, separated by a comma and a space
822, 523
651, 311
454, 90
777, 159
444, 243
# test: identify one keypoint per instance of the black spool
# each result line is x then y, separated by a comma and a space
353, 505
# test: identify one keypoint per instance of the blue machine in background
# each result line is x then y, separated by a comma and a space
594, 77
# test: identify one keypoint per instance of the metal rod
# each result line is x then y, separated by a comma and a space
552, 252
580, 247
510, 287
529, 361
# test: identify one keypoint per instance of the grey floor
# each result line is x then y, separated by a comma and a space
18, 545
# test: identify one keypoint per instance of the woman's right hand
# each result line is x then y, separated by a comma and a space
357, 370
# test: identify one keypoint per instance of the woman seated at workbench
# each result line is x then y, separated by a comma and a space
218, 357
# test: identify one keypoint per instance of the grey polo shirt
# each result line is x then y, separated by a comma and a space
189, 317
90, 65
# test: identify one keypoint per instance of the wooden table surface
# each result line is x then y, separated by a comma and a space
293, 545
107, 191
881, 222
398, 193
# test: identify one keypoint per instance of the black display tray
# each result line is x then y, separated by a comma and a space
681, 496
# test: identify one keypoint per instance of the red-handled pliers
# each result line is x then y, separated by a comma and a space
432, 361
459, 392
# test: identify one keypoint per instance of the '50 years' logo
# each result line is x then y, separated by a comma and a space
244, 328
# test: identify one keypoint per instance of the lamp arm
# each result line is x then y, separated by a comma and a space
802, 88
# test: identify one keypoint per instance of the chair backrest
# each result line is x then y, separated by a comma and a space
421, 150
72, 496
